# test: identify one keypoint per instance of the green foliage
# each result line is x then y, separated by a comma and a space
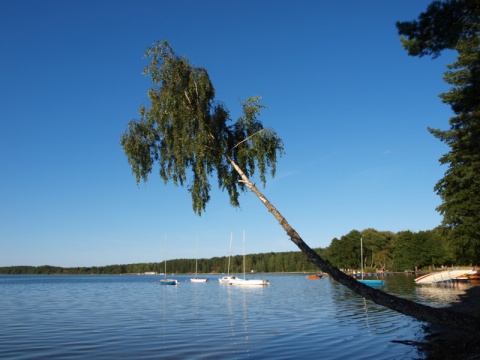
440, 27
405, 250
188, 135
408, 251
455, 25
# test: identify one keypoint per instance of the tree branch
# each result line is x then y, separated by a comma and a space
258, 132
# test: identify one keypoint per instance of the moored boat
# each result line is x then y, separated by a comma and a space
365, 281
226, 279
166, 281
247, 282
196, 279
314, 277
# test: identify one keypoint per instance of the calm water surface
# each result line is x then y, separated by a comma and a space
131, 317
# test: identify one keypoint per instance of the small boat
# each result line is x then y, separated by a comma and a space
197, 279
166, 281
474, 277
314, 277
247, 282
443, 276
368, 282
227, 279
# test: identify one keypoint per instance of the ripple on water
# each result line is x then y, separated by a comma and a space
127, 317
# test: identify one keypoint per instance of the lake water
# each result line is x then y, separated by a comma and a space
132, 317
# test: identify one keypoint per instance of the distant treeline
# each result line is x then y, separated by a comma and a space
386, 250
269, 262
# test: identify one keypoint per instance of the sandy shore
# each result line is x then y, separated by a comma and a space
444, 343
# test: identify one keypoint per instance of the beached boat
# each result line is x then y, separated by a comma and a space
197, 279
443, 276
314, 277
474, 277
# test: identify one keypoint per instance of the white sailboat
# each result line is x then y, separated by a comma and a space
166, 281
226, 279
197, 279
368, 282
247, 282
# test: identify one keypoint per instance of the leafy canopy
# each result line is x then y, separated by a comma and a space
189, 135
455, 25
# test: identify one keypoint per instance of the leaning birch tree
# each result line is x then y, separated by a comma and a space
190, 137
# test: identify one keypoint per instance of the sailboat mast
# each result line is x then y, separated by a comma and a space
244, 255
165, 260
196, 262
230, 255
361, 254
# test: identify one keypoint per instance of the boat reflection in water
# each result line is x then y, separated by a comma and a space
443, 293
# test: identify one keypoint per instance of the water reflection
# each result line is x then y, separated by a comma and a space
366, 315
442, 294
238, 300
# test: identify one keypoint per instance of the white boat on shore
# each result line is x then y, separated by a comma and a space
443, 276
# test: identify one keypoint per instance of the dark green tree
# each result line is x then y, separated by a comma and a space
455, 25
184, 129
408, 251
349, 257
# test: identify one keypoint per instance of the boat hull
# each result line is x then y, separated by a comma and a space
249, 282
198, 280
168, 282
443, 276
372, 282
225, 280
314, 277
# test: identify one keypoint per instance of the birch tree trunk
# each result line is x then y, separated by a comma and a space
437, 316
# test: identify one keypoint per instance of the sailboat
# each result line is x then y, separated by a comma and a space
368, 282
226, 279
246, 282
197, 279
166, 281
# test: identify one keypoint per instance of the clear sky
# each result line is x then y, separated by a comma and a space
350, 105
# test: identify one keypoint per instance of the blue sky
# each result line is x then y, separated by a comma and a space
350, 105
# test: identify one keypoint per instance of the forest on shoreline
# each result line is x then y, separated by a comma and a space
393, 252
